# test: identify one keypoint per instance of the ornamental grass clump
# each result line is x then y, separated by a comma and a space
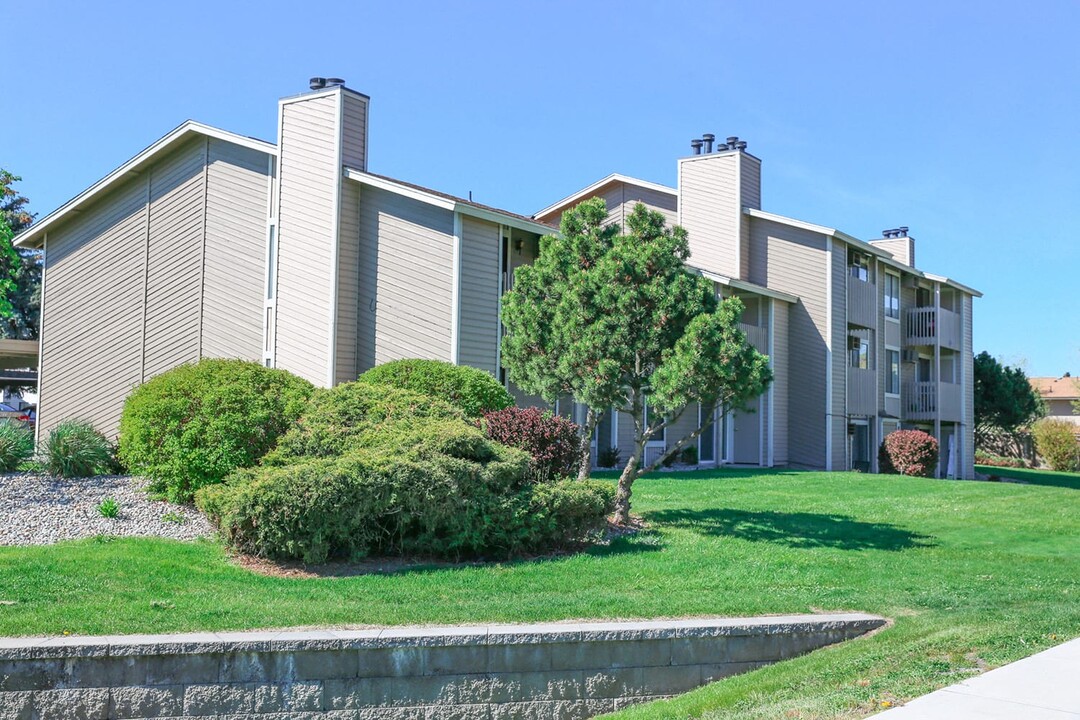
74, 448
553, 442
909, 452
16, 445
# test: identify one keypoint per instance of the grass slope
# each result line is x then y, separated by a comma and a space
1033, 477
975, 574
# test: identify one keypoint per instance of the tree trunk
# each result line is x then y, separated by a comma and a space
626, 482
591, 419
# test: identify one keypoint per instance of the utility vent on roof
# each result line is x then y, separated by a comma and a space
704, 145
318, 83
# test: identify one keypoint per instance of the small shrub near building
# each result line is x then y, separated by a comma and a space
74, 448
1057, 444
16, 445
985, 458
193, 425
473, 391
553, 442
909, 452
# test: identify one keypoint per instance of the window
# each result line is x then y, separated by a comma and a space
892, 380
860, 353
859, 265
892, 295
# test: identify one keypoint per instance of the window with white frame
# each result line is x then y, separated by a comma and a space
892, 295
859, 265
859, 352
648, 418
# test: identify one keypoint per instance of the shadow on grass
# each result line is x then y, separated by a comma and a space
1033, 477
797, 530
642, 541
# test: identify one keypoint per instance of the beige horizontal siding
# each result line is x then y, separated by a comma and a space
781, 387
309, 178
406, 256
174, 265
793, 260
709, 210
346, 368
235, 266
93, 310
478, 334
354, 130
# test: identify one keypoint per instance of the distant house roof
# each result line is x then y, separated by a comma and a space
1062, 388
33, 235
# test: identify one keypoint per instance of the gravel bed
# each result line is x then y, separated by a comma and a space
39, 510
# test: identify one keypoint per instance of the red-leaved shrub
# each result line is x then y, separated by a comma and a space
985, 458
909, 452
553, 442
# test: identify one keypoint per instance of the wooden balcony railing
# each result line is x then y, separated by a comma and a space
756, 336
923, 325
920, 401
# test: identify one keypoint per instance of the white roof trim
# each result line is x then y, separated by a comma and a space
30, 236
448, 204
614, 177
880, 253
744, 285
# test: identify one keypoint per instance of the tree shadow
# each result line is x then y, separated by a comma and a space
1024, 476
797, 530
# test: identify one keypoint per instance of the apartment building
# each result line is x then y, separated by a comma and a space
861, 342
213, 244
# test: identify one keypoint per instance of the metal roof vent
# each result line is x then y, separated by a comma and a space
708, 138
335, 82
696, 144
317, 83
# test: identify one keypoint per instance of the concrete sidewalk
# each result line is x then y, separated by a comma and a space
1045, 686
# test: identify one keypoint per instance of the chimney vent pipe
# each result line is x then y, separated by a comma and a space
334, 82
741, 145
317, 83
708, 139
696, 144
903, 230
731, 142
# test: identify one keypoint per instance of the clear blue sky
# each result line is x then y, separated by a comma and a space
960, 120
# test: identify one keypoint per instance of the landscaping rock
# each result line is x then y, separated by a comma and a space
40, 510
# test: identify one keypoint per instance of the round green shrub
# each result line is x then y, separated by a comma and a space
356, 415
376, 502
473, 391
16, 445
193, 425
75, 449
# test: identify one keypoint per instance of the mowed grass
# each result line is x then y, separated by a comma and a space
974, 574
1033, 477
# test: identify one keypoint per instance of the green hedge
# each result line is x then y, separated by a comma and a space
193, 425
473, 391
373, 470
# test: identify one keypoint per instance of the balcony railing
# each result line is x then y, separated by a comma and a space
861, 392
920, 401
756, 336
862, 302
924, 324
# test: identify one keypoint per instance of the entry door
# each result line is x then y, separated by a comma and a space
748, 436
860, 447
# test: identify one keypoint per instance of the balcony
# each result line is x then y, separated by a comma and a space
924, 324
756, 336
862, 302
861, 392
920, 401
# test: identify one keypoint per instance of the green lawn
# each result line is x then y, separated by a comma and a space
1034, 477
975, 575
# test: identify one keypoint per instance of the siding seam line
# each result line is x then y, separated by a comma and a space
202, 263
146, 274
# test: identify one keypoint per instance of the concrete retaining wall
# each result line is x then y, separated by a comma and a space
557, 670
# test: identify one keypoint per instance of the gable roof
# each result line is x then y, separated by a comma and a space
1062, 388
451, 202
599, 184
33, 235
866, 247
